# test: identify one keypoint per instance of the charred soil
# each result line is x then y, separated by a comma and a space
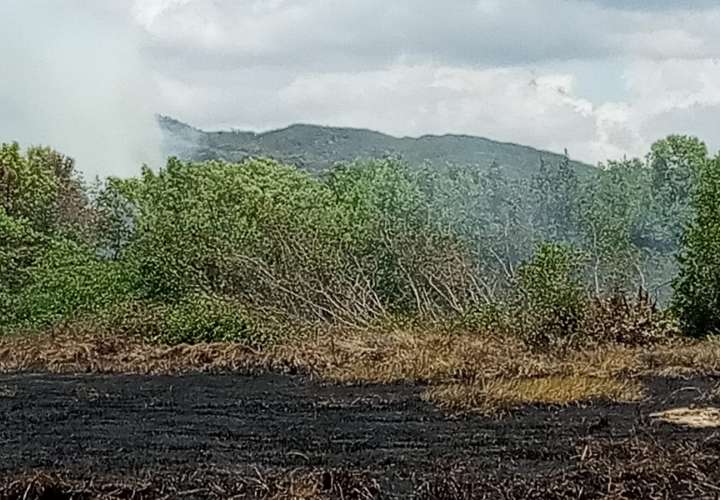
200, 436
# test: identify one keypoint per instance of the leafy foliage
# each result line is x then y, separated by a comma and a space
553, 298
697, 286
198, 252
67, 280
206, 319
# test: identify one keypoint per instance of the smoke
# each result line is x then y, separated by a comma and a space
73, 78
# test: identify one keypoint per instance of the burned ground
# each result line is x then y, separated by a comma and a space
183, 432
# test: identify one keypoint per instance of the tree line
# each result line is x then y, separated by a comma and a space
218, 251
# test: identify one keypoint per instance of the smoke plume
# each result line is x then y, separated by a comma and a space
73, 78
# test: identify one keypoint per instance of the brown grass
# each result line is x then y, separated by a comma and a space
87, 353
492, 395
288, 485
462, 366
696, 418
438, 357
413, 356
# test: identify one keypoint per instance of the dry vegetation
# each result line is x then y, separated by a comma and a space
463, 371
610, 469
696, 418
491, 395
634, 468
296, 485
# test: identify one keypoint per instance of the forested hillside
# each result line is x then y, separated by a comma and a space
317, 149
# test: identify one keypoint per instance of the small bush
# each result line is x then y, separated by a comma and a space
552, 300
66, 281
194, 319
492, 317
198, 319
634, 321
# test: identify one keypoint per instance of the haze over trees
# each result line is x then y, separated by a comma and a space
201, 251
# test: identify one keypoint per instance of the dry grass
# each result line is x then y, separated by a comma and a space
696, 418
87, 353
456, 366
288, 485
438, 357
492, 395
412, 356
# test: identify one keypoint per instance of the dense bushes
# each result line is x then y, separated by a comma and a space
552, 299
217, 251
697, 286
67, 280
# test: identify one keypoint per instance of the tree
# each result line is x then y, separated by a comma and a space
611, 212
18, 246
552, 294
42, 187
116, 210
35, 189
556, 191
696, 297
674, 163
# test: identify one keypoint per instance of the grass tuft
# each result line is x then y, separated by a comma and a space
488, 396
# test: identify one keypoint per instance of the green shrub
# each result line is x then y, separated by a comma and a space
696, 298
66, 281
552, 298
493, 317
199, 319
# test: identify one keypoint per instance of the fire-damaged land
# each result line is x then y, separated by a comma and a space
222, 435
264, 432
372, 329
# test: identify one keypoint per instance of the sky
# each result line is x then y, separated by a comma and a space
602, 78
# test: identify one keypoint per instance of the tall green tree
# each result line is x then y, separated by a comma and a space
697, 286
556, 190
675, 163
612, 212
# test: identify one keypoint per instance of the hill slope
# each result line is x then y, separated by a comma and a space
316, 148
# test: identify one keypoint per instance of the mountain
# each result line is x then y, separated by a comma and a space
316, 148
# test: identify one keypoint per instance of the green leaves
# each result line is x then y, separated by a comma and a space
67, 280
612, 211
204, 243
675, 163
196, 223
697, 286
553, 298
556, 191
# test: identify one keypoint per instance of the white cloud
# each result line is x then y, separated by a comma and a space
146, 12
414, 67
516, 70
